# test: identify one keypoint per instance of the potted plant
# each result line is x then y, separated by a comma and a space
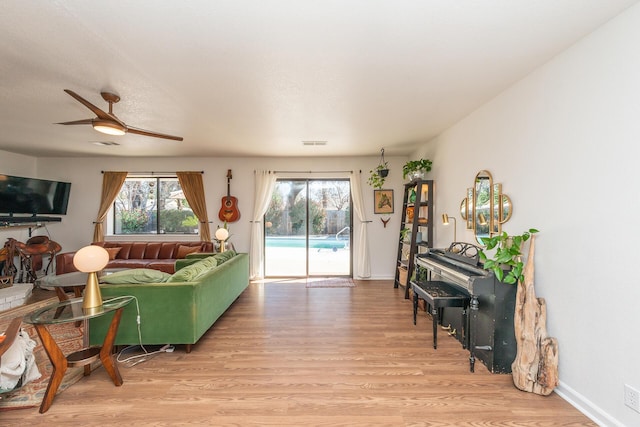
508, 255
415, 169
379, 173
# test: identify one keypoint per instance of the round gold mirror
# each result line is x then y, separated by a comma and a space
485, 208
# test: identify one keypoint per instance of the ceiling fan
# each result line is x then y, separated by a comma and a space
108, 122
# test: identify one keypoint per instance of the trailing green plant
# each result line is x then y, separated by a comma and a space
416, 165
403, 233
377, 176
508, 254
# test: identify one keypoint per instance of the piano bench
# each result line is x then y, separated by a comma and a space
438, 295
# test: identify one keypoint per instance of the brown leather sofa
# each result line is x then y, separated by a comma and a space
156, 255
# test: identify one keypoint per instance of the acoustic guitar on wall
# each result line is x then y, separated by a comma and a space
229, 211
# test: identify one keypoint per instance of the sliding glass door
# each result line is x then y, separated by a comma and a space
308, 229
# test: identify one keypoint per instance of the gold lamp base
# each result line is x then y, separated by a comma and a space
221, 246
92, 296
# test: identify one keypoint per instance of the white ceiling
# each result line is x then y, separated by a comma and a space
256, 78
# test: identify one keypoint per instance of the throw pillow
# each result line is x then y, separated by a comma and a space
113, 252
210, 264
184, 250
135, 275
225, 256
189, 273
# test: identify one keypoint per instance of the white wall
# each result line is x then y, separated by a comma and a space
76, 229
564, 142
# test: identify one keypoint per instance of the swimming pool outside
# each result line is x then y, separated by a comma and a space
286, 256
315, 242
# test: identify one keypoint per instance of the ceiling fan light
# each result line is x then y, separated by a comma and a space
110, 128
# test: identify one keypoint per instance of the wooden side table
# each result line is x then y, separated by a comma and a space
71, 311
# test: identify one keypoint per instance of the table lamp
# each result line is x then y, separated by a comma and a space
445, 221
90, 260
222, 234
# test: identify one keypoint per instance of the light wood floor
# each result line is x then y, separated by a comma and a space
285, 355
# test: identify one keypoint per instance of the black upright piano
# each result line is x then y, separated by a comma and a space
491, 336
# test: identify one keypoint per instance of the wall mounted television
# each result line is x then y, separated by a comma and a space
20, 195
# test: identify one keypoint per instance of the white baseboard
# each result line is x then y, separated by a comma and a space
585, 406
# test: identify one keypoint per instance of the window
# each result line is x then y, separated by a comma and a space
153, 205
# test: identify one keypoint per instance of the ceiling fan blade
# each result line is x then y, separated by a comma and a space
152, 134
77, 122
97, 111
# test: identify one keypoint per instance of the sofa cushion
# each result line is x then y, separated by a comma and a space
152, 250
127, 263
210, 262
166, 250
183, 251
136, 275
137, 250
225, 256
166, 265
112, 252
125, 248
193, 271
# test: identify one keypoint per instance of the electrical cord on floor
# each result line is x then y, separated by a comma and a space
136, 359
146, 355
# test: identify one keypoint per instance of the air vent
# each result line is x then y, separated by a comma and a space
314, 142
104, 143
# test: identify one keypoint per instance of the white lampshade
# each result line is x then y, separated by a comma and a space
91, 258
222, 234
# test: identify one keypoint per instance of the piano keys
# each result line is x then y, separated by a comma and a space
491, 336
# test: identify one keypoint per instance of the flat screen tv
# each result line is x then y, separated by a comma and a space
19, 195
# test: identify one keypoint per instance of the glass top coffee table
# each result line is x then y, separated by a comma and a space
76, 280
71, 310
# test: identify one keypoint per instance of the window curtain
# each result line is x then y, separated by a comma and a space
111, 185
265, 182
193, 189
362, 255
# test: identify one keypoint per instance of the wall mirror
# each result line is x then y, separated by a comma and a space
485, 208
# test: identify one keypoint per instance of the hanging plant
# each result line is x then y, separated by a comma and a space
378, 175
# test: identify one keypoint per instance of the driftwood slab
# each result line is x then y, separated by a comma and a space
535, 368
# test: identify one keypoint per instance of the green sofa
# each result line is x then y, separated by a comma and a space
175, 312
